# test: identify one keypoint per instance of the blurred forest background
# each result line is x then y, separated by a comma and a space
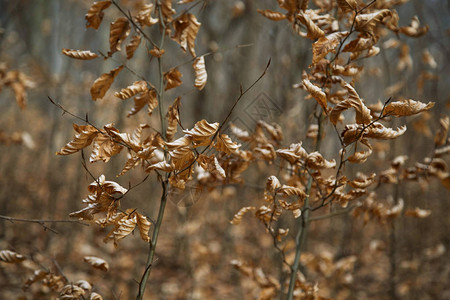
197, 241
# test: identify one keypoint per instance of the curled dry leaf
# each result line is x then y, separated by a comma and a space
273, 129
362, 112
172, 78
418, 213
441, 136
134, 89
156, 52
86, 286
95, 296
368, 22
172, 119
316, 161
186, 28
95, 14
104, 148
406, 108
132, 46
237, 218
361, 156
362, 181
122, 228
148, 97
144, 16
84, 136
71, 291
314, 31
167, 10
272, 15
144, 226
347, 5
225, 144
97, 262
103, 83
414, 29
316, 92
79, 54
119, 30
327, 44
9, 256
272, 185
294, 154
287, 190
202, 132
428, 59
200, 73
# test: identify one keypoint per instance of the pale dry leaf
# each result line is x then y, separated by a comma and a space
172, 119
347, 5
237, 218
362, 112
104, 148
144, 16
148, 97
287, 190
172, 78
441, 136
272, 15
202, 132
314, 31
362, 181
156, 52
97, 262
294, 154
368, 22
225, 144
327, 44
102, 84
184, 141
200, 72
84, 136
144, 226
9, 256
86, 286
272, 184
186, 28
132, 90
378, 131
167, 10
123, 228
406, 108
361, 156
160, 166
414, 29
316, 92
119, 30
95, 296
131, 47
71, 291
316, 161
95, 14
428, 59
79, 54
418, 213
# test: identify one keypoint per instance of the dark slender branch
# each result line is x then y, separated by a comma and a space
41, 222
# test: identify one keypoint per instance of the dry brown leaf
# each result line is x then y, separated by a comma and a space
414, 29
131, 90
316, 92
237, 218
167, 10
144, 226
362, 112
361, 43
172, 119
272, 15
119, 30
71, 291
184, 141
361, 156
84, 136
9, 256
200, 72
418, 213
95, 14
314, 31
362, 181
144, 16
132, 46
104, 148
172, 78
294, 154
97, 263
316, 161
368, 22
186, 28
347, 5
202, 132
102, 84
225, 144
273, 129
123, 228
148, 97
156, 52
441, 136
161, 166
327, 44
428, 59
406, 108
79, 54
287, 190
95, 296
405, 60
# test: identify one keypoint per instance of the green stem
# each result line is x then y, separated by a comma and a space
153, 242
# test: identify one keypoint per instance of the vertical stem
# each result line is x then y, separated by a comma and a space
152, 249
300, 238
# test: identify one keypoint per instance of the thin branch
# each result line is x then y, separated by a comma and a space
41, 222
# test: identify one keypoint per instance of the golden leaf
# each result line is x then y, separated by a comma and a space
211, 165
183, 158
104, 148
97, 263
287, 190
361, 156
95, 296
156, 52
314, 31
71, 291
225, 144
293, 154
123, 228
202, 132
172, 119
272, 185
347, 5
186, 28
273, 129
9, 256
441, 135
327, 44
414, 29
362, 112
84, 136
237, 218
144, 226
161, 166
316, 161
272, 15
184, 141
368, 22
118, 32
200, 73
167, 10
240, 133
172, 78
316, 92
79, 54
418, 213
362, 181
95, 14
128, 92
144, 16
406, 108
103, 83
361, 43
132, 46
